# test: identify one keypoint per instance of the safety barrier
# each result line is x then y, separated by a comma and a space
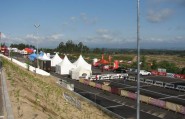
132, 95
182, 76
106, 88
180, 87
99, 86
162, 73
157, 102
109, 76
124, 93
142, 80
81, 80
93, 84
159, 83
173, 106
146, 99
86, 82
169, 85
132, 79
24, 65
172, 75
149, 81
182, 110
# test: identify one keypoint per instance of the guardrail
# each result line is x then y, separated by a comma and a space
149, 81
109, 76
6, 99
180, 87
169, 85
158, 83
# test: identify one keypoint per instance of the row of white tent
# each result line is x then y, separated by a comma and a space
64, 67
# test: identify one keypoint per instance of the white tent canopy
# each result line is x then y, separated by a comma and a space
44, 57
55, 60
80, 72
80, 62
64, 66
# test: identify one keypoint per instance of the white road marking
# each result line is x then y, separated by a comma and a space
161, 94
115, 106
149, 90
172, 97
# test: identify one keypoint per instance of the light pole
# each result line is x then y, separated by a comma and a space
37, 26
0, 39
138, 62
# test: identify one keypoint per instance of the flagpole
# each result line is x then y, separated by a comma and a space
0, 40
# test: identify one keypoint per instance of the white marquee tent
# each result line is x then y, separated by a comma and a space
80, 62
55, 60
44, 57
80, 72
64, 66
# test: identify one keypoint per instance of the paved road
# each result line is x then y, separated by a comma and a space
122, 106
150, 90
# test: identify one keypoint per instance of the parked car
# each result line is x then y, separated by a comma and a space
108, 67
120, 70
143, 72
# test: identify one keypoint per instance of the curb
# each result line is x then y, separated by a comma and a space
6, 99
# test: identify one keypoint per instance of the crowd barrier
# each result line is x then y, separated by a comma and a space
156, 73
158, 83
143, 98
29, 67
109, 76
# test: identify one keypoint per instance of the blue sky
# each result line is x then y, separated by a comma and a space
96, 23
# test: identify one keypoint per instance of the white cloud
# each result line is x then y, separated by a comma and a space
160, 15
88, 20
43, 41
56, 36
3, 35
73, 19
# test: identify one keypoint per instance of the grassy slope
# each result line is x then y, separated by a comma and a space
38, 97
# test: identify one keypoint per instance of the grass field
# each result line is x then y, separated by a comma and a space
39, 97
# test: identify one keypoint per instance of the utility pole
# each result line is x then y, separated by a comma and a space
138, 62
0, 40
37, 26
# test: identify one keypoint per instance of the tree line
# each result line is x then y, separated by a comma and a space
71, 47
169, 66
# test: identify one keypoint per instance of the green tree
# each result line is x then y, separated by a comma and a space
183, 71
154, 65
97, 51
144, 63
170, 67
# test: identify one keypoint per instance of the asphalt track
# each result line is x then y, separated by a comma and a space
124, 107
149, 90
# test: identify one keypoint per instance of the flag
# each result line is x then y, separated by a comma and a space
110, 58
102, 57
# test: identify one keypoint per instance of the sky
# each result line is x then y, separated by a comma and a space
95, 23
